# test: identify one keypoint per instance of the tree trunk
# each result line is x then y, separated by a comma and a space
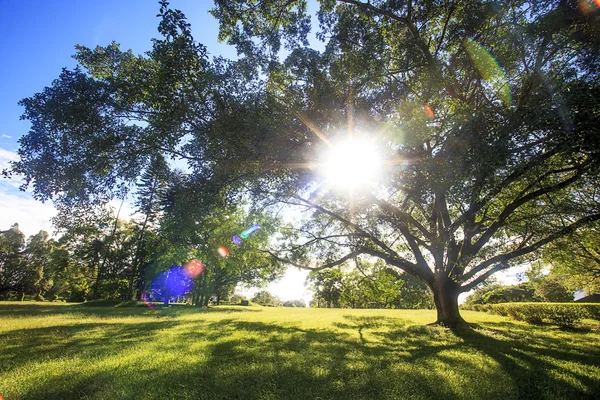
445, 296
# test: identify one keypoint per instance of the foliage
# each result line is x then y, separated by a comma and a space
577, 259
236, 298
264, 298
12, 242
485, 177
561, 314
523, 292
368, 286
294, 303
552, 289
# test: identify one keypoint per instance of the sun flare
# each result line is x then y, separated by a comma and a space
351, 164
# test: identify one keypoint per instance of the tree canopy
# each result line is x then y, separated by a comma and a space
482, 113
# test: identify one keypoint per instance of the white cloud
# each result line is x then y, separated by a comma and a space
511, 275
5, 136
6, 156
31, 215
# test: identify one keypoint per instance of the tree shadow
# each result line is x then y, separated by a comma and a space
44, 309
363, 357
534, 361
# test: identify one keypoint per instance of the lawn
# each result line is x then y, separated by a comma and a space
50, 351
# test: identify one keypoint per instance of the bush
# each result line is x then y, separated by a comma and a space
561, 314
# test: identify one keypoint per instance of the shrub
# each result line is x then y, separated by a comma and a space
561, 314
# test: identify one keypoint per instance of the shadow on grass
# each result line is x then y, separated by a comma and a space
536, 362
15, 309
240, 359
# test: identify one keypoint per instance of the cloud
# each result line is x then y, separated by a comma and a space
9, 185
31, 215
5, 136
6, 155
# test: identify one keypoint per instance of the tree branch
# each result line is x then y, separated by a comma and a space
504, 258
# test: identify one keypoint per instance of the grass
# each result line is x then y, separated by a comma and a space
61, 351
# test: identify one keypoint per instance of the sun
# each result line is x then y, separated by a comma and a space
351, 164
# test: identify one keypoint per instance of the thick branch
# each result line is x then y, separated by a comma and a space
401, 215
512, 177
318, 268
518, 202
504, 258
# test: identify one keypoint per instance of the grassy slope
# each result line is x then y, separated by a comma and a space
50, 351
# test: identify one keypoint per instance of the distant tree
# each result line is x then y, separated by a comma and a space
36, 264
294, 303
523, 292
264, 298
236, 298
414, 294
368, 286
548, 285
552, 289
12, 273
327, 287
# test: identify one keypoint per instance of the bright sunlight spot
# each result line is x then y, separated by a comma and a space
352, 163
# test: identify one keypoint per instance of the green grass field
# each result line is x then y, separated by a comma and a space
50, 351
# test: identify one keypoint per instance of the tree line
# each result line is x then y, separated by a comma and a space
100, 255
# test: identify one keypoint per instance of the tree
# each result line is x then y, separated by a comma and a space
264, 298
547, 284
368, 286
552, 289
504, 294
150, 193
326, 286
12, 242
36, 264
294, 303
477, 176
577, 259
483, 177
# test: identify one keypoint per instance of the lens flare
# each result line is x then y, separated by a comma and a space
249, 231
194, 268
223, 252
146, 299
236, 240
428, 111
589, 6
171, 283
490, 70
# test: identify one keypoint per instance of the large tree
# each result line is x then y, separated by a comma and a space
483, 115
